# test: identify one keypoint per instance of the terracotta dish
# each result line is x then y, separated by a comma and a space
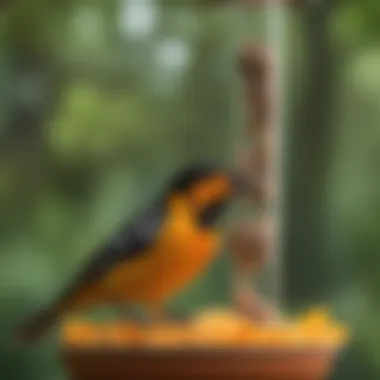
214, 345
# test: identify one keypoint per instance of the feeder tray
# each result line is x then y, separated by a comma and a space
214, 346
169, 364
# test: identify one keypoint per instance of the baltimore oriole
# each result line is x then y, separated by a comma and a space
155, 255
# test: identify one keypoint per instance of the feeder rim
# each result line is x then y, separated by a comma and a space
302, 348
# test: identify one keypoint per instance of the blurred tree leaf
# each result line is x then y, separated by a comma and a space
356, 22
92, 124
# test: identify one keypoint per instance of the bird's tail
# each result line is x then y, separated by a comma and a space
38, 326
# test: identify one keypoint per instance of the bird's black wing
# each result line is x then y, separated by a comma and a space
130, 241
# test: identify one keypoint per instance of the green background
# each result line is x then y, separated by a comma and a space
100, 100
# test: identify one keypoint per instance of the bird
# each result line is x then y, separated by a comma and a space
152, 256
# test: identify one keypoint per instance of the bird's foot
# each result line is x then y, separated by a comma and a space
158, 316
129, 315
162, 316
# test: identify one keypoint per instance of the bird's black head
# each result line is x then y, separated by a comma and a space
188, 177
208, 188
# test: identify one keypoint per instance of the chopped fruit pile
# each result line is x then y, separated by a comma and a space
211, 328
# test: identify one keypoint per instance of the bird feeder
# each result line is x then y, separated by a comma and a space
253, 341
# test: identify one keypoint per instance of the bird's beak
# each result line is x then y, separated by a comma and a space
241, 184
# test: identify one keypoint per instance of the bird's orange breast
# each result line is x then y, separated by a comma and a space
181, 252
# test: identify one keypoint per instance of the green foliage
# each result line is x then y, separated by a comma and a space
357, 22
92, 124
124, 117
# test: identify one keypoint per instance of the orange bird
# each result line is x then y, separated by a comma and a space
151, 258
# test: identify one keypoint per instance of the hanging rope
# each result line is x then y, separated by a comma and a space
253, 243
276, 31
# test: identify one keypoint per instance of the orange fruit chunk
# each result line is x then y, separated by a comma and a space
166, 335
118, 334
81, 333
214, 327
